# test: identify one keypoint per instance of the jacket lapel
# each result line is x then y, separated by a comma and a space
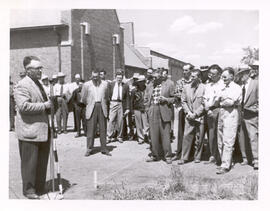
249, 90
35, 88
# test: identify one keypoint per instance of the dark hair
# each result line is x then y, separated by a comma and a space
197, 71
165, 70
229, 69
119, 72
215, 66
103, 70
27, 60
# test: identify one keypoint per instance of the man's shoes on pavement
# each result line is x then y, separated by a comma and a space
140, 142
244, 163
168, 161
222, 171
211, 160
197, 161
106, 153
256, 166
181, 162
32, 196
77, 135
88, 153
151, 159
120, 140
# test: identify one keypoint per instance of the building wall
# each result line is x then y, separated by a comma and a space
98, 49
175, 66
41, 43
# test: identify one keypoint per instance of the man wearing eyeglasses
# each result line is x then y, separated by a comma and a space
32, 128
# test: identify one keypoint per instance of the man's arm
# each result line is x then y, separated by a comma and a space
24, 103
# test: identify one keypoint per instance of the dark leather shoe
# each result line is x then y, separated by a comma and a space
88, 153
148, 160
141, 142
256, 166
222, 171
32, 196
181, 162
106, 153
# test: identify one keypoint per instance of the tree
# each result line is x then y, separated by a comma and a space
250, 55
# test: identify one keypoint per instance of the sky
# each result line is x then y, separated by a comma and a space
201, 37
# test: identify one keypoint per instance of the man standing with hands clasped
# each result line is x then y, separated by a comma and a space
94, 96
32, 128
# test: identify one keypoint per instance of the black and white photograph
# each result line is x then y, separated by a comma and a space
134, 104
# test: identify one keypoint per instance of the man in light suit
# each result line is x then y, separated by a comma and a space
32, 128
119, 106
94, 96
159, 98
192, 102
249, 123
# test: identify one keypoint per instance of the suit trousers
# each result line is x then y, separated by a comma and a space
116, 119
193, 130
181, 127
160, 134
249, 135
227, 129
12, 113
61, 113
80, 117
34, 160
97, 117
212, 123
141, 122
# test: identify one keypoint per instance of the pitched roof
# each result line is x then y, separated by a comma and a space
131, 57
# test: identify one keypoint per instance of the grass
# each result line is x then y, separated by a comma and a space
190, 187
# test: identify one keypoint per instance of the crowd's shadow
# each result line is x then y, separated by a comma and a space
66, 185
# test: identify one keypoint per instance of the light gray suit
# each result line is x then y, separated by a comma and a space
192, 101
32, 129
249, 124
96, 112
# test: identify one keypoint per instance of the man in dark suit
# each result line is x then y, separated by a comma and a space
79, 110
192, 102
159, 98
249, 123
119, 106
32, 128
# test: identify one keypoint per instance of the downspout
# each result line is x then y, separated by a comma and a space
59, 39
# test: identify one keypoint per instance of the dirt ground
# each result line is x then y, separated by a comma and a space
126, 166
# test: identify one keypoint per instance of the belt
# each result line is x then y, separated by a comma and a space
98, 102
234, 106
116, 101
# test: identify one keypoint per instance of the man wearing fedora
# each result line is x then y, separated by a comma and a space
138, 109
249, 112
61, 91
119, 106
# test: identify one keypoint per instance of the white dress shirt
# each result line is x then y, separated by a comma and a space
115, 91
66, 92
211, 92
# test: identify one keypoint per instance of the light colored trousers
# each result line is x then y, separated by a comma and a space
142, 125
115, 119
227, 129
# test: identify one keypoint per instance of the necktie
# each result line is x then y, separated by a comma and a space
118, 93
61, 90
243, 96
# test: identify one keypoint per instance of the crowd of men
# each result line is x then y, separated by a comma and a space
209, 103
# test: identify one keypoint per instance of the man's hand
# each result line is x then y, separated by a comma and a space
227, 102
162, 99
126, 112
47, 104
191, 116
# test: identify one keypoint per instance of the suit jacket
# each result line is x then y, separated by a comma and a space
87, 97
193, 102
125, 94
167, 91
251, 101
32, 119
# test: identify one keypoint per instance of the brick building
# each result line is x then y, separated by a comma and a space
148, 57
58, 43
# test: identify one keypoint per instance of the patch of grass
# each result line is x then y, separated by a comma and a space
180, 186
